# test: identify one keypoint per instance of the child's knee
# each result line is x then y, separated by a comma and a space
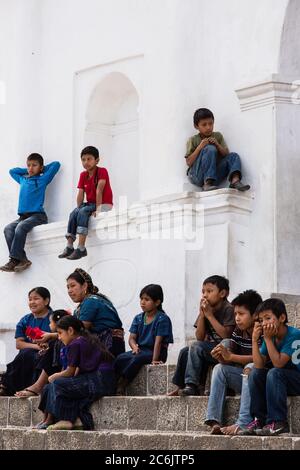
248, 368
210, 149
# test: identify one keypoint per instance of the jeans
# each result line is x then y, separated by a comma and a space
128, 364
79, 220
198, 358
269, 389
226, 376
208, 165
179, 374
16, 233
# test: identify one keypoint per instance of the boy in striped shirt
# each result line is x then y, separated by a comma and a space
232, 361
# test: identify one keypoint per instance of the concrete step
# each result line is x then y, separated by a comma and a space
169, 414
152, 380
22, 439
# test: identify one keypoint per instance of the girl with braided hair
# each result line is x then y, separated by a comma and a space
88, 376
96, 311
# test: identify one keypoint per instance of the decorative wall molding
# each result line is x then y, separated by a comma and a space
98, 128
271, 91
218, 208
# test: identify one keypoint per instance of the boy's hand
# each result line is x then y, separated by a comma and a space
221, 353
206, 308
270, 330
203, 144
135, 349
213, 141
257, 331
225, 353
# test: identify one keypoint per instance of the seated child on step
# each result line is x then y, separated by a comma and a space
52, 357
150, 335
88, 376
232, 360
22, 371
269, 388
215, 323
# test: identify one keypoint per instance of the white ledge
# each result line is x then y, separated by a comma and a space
217, 207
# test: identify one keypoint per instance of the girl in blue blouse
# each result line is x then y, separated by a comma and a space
150, 335
96, 311
22, 372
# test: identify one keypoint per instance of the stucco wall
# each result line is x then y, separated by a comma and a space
190, 54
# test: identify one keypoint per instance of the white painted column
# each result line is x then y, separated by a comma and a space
271, 117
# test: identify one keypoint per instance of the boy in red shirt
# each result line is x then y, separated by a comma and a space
94, 184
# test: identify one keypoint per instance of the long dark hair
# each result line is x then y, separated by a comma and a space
81, 276
42, 292
155, 292
69, 321
56, 315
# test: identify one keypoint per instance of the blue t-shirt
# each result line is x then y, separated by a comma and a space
29, 320
287, 345
33, 188
100, 312
146, 333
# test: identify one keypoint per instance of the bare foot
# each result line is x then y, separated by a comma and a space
27, 393
61, 426
216, 429
231, 430
174, 393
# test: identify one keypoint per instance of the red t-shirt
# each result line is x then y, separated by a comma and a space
89, 185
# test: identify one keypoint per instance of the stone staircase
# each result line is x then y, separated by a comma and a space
144, 419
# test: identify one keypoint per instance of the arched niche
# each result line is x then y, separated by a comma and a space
112, 125
289, 56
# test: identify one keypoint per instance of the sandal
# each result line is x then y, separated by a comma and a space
174, 393
232, 430
26, 393
41, 426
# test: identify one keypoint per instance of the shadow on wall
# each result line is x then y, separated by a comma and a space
112, 125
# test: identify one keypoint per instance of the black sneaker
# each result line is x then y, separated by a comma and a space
10, 266
189, 390
251, 429
239, 186
67, 252
273, 429
77, 254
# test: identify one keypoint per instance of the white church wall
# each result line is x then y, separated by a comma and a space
175, 56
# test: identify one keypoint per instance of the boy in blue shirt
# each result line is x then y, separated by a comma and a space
33, 181
208, 157
269, 388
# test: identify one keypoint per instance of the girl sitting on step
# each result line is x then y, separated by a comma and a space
23, 371
52, 358
150, 335
88, 376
